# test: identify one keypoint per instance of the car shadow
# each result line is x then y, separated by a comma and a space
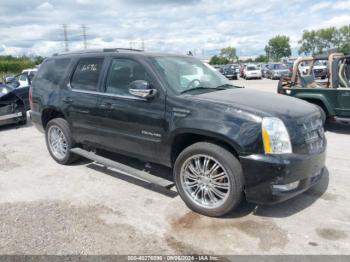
337, 127
296, 204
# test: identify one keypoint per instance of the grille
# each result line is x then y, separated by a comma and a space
314, 135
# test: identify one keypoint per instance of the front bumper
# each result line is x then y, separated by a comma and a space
262, 172
8, 115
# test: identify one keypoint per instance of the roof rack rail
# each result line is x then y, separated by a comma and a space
86, 51
121, 49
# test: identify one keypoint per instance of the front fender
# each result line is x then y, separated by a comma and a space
319, 97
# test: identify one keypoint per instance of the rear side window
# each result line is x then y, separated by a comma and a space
87, 73
53, 70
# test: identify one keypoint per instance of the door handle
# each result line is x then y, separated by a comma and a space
67, 100
105, 105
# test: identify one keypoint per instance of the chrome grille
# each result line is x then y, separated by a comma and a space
314, 135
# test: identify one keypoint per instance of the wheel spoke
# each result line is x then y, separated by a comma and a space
205, 165
213, 169
193, 170
217, 192
211, 196
192, 184
219, 176
220, 185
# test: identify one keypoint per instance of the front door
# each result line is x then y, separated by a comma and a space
131, 124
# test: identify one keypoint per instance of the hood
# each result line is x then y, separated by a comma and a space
261, 103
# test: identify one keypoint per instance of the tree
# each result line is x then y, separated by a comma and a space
308, 43
229, 53
218, 60
261, 59
320, 41
278, 47
344, 39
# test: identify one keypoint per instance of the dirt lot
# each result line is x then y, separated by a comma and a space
46, 208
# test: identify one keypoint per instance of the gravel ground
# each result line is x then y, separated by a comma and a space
46, 208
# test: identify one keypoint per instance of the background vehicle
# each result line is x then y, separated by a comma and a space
276, 71
14, 104
251, 72
230, 71
319, 68
332, 96
220, 140
264, 68
219, 68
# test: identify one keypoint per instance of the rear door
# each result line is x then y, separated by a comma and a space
80, 99
131, 124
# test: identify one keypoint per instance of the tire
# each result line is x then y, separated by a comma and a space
232, 179
23, 120
63, 127
323, 113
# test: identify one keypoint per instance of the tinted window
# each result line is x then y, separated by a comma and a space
87, 73
121, 73
251, 68
53, 70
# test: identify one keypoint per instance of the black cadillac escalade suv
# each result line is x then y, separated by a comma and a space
223, 142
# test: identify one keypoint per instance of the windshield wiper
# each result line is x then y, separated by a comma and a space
203, 87
225, 85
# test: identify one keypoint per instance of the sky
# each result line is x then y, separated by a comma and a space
34, 27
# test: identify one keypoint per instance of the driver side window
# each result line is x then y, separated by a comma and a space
121, 73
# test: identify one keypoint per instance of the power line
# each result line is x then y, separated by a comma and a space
65, 37
84, 36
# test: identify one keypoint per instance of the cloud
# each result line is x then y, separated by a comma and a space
176, 26
319, 6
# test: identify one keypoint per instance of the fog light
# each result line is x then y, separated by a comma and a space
286, 187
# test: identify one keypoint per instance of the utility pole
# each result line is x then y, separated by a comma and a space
65, 37
84, 35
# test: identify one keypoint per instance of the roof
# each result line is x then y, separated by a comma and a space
116, 51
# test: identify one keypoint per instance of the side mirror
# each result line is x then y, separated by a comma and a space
14, 84
9, 79
142, 88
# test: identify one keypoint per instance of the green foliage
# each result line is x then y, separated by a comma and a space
278, 47
261, 59
12, 65
316, 42
229, 53
218, 60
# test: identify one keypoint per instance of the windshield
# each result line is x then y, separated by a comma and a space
185, 73
279, 66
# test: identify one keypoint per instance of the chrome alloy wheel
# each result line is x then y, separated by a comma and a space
57, 142
205, 181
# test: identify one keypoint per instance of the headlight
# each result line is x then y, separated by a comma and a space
275, 136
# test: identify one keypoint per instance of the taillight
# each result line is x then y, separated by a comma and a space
31, 97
